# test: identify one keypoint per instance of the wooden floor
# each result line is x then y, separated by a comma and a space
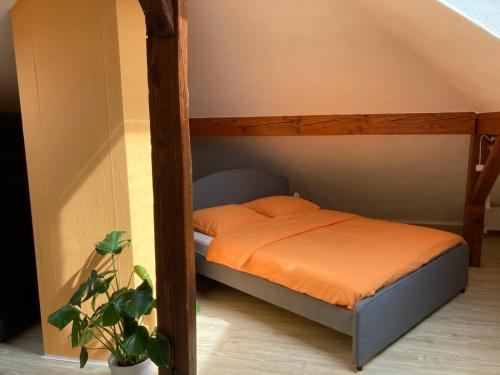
238, 334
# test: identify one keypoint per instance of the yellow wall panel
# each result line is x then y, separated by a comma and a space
133, 68
76, 144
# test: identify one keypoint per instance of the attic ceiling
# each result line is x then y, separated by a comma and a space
459, 39
454, 37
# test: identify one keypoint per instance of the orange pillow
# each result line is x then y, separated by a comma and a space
215, 220
280, 205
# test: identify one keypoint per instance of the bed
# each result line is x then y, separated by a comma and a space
374, 322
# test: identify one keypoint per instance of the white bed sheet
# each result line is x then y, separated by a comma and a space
201, 242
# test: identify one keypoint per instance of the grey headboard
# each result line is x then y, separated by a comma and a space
236, 186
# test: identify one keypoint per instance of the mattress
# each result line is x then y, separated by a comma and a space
201, 242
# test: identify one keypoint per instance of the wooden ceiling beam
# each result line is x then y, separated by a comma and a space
368, 124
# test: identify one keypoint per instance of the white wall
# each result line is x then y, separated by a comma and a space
325, 57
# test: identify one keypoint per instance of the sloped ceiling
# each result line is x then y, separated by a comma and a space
464, 53
260, 57
9, 101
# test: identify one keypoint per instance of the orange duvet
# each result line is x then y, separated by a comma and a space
337, 257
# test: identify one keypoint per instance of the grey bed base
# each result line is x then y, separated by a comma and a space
377, 321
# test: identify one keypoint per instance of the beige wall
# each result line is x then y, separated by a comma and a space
297, 57
407, 178
79, 140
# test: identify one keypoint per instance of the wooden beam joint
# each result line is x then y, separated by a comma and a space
488, 123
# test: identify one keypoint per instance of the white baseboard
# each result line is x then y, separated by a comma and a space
72, 359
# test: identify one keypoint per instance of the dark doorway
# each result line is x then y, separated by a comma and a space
19, 305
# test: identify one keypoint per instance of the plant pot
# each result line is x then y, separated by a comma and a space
143, 368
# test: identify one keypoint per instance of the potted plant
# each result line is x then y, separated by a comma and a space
116, 322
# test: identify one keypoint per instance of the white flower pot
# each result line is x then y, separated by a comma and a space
143, 368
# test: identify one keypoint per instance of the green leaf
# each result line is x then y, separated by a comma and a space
85, 338
135, 303
75, 332
145, 287
105, 273
137, 343
122, 301
90, 286
159, 350
198, 308
153, 306
112, 244
109, 315
129, 326
96, 283
80, 336
143, 274
117, 294
63, 316
103, 286
76, 298
84, 356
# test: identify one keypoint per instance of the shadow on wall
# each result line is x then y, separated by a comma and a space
86, 207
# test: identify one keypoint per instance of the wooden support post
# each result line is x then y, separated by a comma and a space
488, 176
473, 213
171, 158
479, 184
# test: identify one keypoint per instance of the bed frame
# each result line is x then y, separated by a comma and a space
377, 321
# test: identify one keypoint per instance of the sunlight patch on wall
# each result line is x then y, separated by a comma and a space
484, 13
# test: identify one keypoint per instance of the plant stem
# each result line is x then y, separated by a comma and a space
117, 350
104, 343
114, 269
116, 338
130, 279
